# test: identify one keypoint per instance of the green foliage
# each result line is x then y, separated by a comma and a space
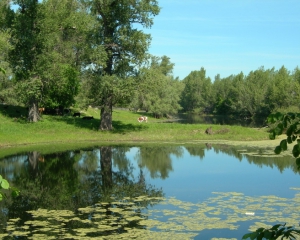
259, 93
6, 85
157, 92
278, 230
63, 87
26, 39
5, 185
291, 124
67, 28
96, 88
196, 93
125, 46
49, 48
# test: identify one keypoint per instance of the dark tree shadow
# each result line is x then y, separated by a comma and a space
19, 114
93, 124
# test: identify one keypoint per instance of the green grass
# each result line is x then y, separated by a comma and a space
55, 130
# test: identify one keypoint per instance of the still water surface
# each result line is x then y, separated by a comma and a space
198, 191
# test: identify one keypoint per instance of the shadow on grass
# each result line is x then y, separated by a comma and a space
19, 114
93, 124
119, 127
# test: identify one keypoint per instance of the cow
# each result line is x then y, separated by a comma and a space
76, 114
41, 110
143, 118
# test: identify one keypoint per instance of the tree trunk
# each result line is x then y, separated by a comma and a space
106, 168
33, 159
33, 113
106, 115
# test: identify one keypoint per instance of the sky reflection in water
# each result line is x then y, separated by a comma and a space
209, 190
194, 178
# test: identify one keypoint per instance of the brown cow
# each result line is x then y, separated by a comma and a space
41, 110
143, 118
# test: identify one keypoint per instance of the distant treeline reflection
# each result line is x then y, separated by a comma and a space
75, 179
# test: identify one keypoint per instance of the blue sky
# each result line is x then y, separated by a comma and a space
227, 36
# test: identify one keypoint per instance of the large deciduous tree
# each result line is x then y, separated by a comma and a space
49, 49
66, 29
6, 85
28, 45
125, 47
157, 91
197, 92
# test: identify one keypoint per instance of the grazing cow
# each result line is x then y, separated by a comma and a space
77, 114
143, 118
88, 118
41, 110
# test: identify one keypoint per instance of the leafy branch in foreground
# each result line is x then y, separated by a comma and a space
290, 124
278, 230
5, 185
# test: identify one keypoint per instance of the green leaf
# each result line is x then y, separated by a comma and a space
15, 194
283, 145
289, 140
269, 120
278, 150
272, 135
285, 121
280, 231
4, 184
1, 196
275, 227
296, 151
278, 116
268, 234
279, 129
260, 236
260, 230
290, 130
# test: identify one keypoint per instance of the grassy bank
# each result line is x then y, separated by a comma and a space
16, 131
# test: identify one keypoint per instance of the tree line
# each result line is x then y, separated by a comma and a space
259, 93
62, 53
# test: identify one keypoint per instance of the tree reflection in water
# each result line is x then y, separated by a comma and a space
77, 193
157, 159
100, 192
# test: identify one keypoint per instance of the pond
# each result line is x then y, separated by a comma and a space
195, 191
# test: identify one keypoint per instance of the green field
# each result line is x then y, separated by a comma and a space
15, 131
